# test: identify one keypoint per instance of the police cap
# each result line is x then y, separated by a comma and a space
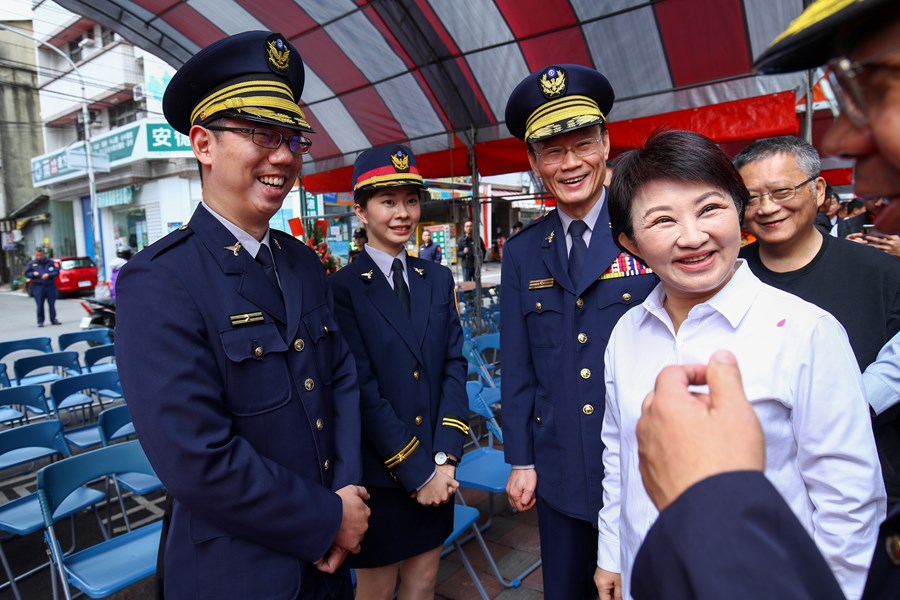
386, 166
558, 99
812, 38
255, 75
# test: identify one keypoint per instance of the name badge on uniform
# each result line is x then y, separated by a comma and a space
540, 284
245, 318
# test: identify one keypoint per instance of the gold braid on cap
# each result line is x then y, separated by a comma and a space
274, 95
818, 11
580, 108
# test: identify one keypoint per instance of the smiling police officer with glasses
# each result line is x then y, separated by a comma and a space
242, 390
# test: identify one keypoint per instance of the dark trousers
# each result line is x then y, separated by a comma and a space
468, 273
45, 291
568, 554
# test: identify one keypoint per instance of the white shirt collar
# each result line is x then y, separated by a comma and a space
590, 219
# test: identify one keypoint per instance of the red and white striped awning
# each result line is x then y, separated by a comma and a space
436, 74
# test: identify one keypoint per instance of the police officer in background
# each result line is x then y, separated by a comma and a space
565, 285
360, 238
429, 250
723, 530
243, 393
41, 272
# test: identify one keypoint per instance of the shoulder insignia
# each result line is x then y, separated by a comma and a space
236, 248
367, 275
549, 238
540, 284
421, 272
183, 227
245, 318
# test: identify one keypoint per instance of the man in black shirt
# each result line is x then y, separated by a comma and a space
858, 285
465, 252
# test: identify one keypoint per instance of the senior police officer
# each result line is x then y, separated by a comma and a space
41, 273
720, 515
565, 285
242, 390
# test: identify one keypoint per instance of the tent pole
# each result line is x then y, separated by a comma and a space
476, 225
808, 114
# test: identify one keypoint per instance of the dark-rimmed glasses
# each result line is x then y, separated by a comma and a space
556, 154
269, 138
844, 77
779, 196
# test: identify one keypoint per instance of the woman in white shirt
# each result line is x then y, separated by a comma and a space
677, 204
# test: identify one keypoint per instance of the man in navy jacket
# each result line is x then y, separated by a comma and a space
243, 392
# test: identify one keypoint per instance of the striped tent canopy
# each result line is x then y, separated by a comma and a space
436, 74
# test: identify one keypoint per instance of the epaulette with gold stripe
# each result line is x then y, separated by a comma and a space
398, 458
456, 423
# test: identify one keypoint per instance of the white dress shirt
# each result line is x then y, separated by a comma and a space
801, 377
590, 219
385, 261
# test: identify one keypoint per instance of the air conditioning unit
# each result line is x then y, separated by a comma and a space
138, 92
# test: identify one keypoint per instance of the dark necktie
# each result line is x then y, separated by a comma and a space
400, 285
579, 250
264, 258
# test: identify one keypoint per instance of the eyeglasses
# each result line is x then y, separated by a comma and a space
849, 91
780, 195
269, 138
557, 154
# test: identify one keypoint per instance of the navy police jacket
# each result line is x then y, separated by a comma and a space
41, 267
246, 406
732, 535
411, 370
553, 337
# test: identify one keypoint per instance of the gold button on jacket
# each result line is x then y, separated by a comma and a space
258, 351
327, 464
582, 338
299, 345
419, 420
587, 409
580, 303
416, 374
320, 424
626, 297
585, 373
309, 384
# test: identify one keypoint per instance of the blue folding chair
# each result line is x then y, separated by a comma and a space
115, 424
81, 391
113, 564
98, 336
464, 519
28, 398
45, 368
488, 348
485, 468
22, 516
35, 344
95, 358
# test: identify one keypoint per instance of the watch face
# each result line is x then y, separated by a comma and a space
440, 458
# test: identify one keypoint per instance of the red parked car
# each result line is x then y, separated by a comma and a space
77, 274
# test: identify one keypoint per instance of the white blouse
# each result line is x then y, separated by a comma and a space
802, 379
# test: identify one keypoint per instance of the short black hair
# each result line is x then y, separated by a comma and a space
672, 155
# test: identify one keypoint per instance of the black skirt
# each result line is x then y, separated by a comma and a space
400, 527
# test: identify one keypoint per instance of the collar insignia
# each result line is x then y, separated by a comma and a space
421, 272
245, 318
400, 160
274, 241
236, 248
367, 275
553, 82
549, 238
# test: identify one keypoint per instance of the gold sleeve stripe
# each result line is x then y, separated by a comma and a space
456, 423
403, 454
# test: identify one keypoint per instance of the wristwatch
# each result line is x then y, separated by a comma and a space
442, 458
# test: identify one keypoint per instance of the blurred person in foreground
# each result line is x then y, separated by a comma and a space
565, 285
724, 531
677, 204
243, 393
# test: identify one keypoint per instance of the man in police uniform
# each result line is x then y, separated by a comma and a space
242, 390
41, 273
565, 285
703, 468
